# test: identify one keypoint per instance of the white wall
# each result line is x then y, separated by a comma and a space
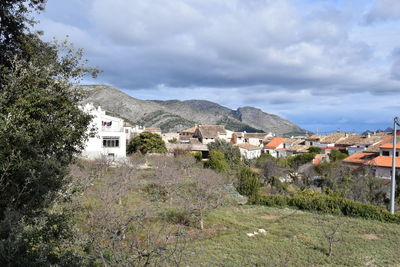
94, 147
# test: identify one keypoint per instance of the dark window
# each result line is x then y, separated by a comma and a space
110, 141
385, 153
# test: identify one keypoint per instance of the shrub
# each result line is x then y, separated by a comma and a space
217, 161
314, 149
249, 182
327, 204
337, 155
156, 192
146, 142
181, 217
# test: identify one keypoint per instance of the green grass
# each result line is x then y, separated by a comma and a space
294, 238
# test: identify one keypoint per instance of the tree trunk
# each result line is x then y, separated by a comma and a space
330, 248
201, 220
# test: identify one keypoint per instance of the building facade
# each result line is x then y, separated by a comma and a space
107, 136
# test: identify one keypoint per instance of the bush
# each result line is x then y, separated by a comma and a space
300, 159
249, 182
181, 217
146, 142
336, 155
156, 192
314, 149
314, 201
217, 161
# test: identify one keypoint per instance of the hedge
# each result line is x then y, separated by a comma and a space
327, 204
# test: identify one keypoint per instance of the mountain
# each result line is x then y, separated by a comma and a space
175, 115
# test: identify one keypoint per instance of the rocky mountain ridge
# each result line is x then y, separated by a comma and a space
175, 115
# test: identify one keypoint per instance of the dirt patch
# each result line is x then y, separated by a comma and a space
371, 236
269, 217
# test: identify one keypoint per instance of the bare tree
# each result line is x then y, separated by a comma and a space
121, 234
206, 192
330, 229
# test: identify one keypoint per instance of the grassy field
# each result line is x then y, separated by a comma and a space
293, 238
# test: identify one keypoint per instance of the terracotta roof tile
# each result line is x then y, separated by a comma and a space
360, 157
383, 161
275, 142
375, 147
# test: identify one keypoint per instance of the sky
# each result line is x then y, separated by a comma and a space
326, 65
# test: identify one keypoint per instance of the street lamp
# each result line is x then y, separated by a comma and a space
396, 122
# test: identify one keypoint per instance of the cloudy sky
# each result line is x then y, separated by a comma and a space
324, 64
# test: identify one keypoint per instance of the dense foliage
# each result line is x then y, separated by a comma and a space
41, 129
314, 201
146, 142
217, 161
248, 182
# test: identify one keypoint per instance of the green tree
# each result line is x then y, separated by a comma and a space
248, 182
217, 161
314, 149
146, 142
300, 159
232, 153
41, 129
336, 155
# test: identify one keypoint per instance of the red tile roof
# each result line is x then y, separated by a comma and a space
360, 157
384, 161
274, 143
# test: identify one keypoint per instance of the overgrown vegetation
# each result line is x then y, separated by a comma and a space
146, 142
41, 129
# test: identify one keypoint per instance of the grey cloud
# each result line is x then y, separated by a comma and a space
226, 44
383, 10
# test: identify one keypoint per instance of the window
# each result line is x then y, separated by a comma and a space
397, 154
110, 141
385, 153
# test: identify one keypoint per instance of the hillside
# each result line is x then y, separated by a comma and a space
175, 115
293, 238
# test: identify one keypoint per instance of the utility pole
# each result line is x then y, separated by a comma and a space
396, 122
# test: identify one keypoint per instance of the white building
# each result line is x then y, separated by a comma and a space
108, 138
249, 151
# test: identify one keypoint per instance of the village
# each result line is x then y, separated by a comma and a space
374, 150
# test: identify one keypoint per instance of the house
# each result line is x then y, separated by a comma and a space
249, 151
107, 135
296, 149
209, 133
276, 147
358, 143
203, 149
359, 160
332, 140
185, 135
313, 140
256, 139
380, 160
383, 163
237, 138
132, 130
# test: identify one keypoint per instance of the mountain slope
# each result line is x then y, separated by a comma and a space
174, 115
